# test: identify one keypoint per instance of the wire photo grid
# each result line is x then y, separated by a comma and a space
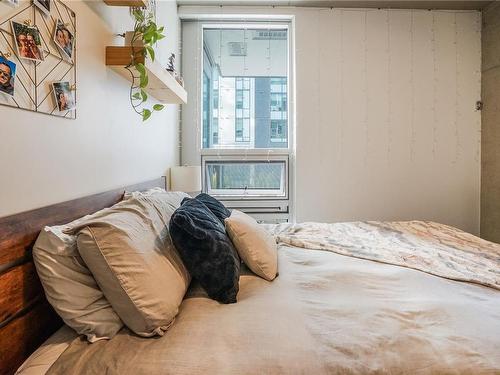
33, 89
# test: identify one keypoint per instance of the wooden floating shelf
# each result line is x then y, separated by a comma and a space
126, 3
162, 85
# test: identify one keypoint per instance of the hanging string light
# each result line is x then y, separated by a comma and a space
268, 71
341, 84
367, 98
319, 135
434, 87
199, 67
179, 110
457, 91
389, 88
245, 49
412, 88
220, 47
478, 85
268, 49
453, 127
219, 101
243, 85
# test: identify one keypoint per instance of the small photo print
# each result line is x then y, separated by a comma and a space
28, 41
63, 94
43, 5
7, 76
14, 3
64, 39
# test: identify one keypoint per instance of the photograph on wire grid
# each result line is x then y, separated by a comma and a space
13, 3
7, 76
28, 41
64, 39
43, 5
63, 95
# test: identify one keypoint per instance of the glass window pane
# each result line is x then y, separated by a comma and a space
246, 79
278, 131
249, 178
206, 110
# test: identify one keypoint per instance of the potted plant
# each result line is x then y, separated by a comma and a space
145, 35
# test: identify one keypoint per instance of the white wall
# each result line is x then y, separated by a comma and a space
44, 159
385, 122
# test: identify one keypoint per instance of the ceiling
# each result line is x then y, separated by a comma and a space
442, 4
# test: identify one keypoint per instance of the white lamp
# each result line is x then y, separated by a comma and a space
185, 178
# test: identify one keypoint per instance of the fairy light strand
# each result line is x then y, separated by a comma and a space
245, 46
478, 85
318, 101
198, 86
269, 50
341, 135
219, 87
389, 89
367, 98
434, 87
457, 92
412, 88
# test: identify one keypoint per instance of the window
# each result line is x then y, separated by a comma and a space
242, 130
278, 102
215, 132
256, 178
242, 113
248, 87
245, 147
215, 93
278, 131
206, 111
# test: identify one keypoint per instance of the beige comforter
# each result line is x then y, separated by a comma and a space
325, 314
427, 246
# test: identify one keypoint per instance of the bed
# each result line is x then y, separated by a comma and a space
326, 313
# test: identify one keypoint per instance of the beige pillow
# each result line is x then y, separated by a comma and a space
70, 287
130, 254
135, 194
254, 244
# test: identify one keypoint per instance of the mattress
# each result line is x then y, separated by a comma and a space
325, 314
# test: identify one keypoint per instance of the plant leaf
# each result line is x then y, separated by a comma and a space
147, 37
144, 95
136, 96
151, 52
146, 114
140, 68
137, 14
158, 107
144, 81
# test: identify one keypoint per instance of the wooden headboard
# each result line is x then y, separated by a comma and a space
26, 318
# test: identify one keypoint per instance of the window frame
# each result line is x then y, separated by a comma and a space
290, 94
240, 194
192, 143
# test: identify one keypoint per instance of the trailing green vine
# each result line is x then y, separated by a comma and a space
145, 30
